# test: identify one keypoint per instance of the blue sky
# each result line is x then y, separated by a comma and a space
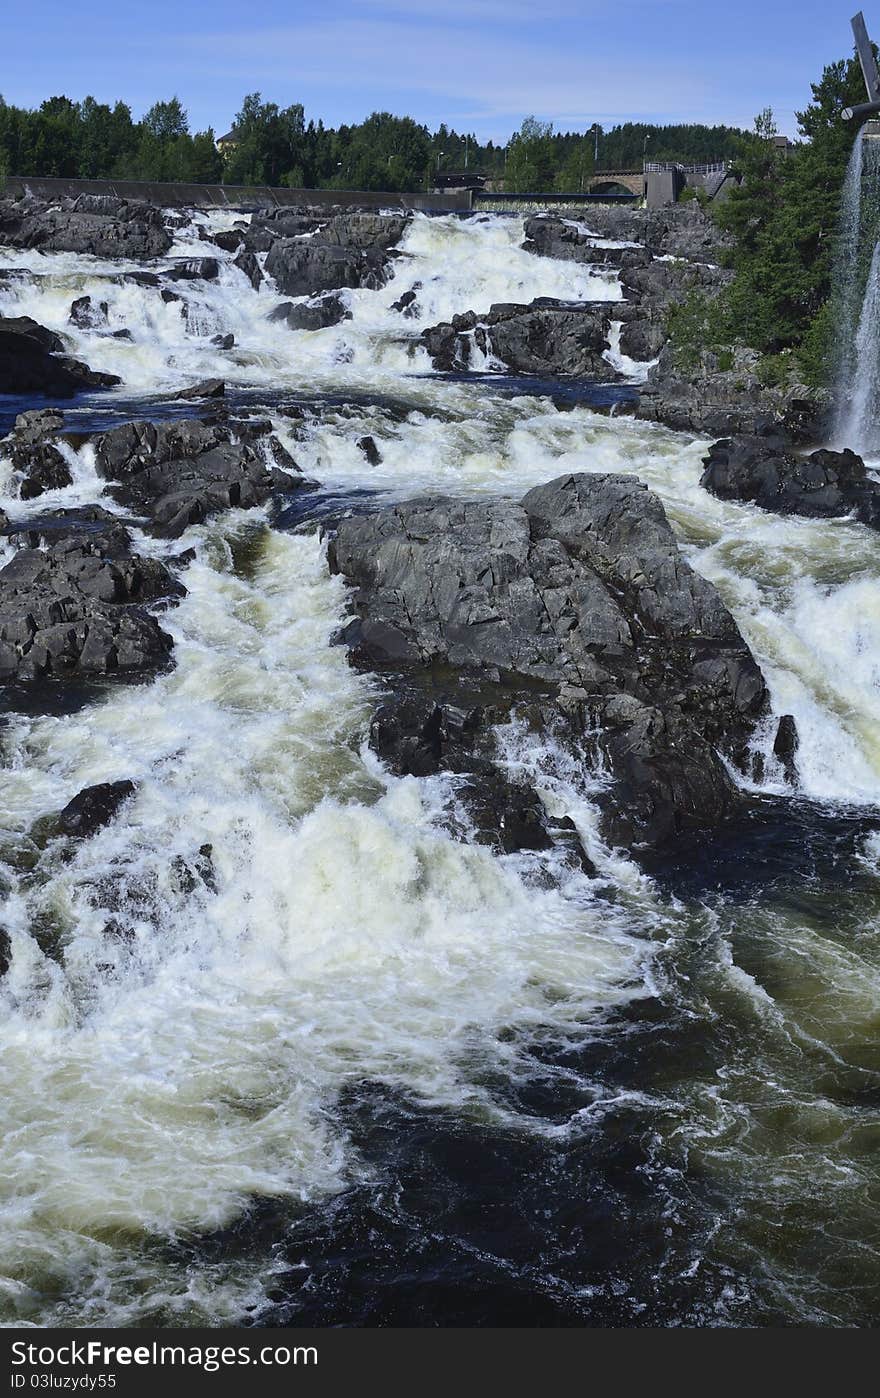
475, 64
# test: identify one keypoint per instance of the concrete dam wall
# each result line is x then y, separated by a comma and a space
229, 196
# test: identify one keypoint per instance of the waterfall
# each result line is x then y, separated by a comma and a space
857, 339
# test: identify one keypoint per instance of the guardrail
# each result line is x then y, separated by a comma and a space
712, 167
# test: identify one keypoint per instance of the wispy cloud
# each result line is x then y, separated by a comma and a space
490, 76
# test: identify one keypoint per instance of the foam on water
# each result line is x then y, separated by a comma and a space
183, 1052
178, 1025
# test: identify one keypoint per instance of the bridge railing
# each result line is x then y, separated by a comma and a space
711, 167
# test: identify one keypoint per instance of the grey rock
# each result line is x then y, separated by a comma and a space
579, 590
31, 446
318, 314
545, 337
93, 225
764, 472
180, 472
31, 362
193, 269
72, 610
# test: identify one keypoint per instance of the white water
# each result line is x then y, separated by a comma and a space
186, 1053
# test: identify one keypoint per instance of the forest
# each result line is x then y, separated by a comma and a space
278, 146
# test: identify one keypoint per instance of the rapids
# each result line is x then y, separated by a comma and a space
664, 1086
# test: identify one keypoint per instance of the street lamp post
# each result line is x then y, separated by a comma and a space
595, 129
645, 147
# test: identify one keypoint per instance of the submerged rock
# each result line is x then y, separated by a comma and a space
578, 594
763, 472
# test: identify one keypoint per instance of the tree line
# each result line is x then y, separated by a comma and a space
276, 146
783, 219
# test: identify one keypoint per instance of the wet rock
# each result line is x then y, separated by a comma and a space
223, 342
247, 263
230, 240
31, 361
312, 315
208, 388
368, 446
93, 808
179, 473
85, 315
103, 532
32, 448
764, 472
93, 225
5, 951
581, 591
71, 610
785, 747
545, 337
194, 269
408, 302
307, 268
188, 875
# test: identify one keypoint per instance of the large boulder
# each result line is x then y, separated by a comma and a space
304, 268
546, 337
179, 473
578, 593
95, 225
306, 255
764, 472
32, 361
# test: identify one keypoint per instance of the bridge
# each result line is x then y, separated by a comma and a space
615, 181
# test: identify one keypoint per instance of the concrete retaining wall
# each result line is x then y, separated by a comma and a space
230, 196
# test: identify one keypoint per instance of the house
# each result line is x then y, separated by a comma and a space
226, 144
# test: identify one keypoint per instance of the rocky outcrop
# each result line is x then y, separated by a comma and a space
712, 401
76, 608
307, 256
32, 361
179, 473
318, 314
683, 230
822, 485
306, 268
95, 225
546, 337
576, 607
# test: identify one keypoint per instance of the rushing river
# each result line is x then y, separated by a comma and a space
374, 1073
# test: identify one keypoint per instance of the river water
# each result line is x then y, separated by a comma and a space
376, 1073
